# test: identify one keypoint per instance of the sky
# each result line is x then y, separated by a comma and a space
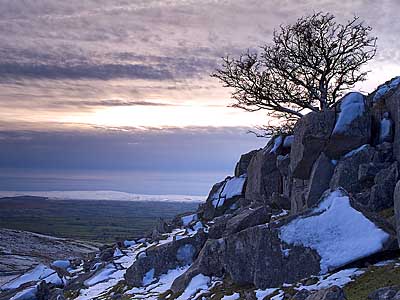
117, 94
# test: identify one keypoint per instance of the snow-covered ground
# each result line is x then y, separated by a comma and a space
103, 195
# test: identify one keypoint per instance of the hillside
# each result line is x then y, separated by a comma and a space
311, 216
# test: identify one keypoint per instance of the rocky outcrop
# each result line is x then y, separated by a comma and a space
352, 128
292, 248
346, 170
158, 260
263, 176
243, 163
311, 135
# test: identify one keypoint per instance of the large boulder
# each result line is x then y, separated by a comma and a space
346, 170
382, 192
159, 259
263, 176
352, 128
320, 178
311, 134
327, 237
243, 163
386, 293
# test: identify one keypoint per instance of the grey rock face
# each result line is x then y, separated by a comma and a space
298, 192
283, 163
346, 171
382, 192
311, 134
321, 175
243, 163
165, 257
331, 293
208, 209
355, 132
386, 293
263, 177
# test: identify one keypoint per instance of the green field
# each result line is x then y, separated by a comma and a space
92, 220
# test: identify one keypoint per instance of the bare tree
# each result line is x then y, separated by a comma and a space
308, 67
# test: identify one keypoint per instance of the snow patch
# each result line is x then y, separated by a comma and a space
199, 282
234, 296
354, 151
287, 143
40, 272
277, 143
339, 233
27, 294
261, 294
351, 107
148, 277
383, 89
186, 220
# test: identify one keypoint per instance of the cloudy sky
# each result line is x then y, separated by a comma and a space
117, 95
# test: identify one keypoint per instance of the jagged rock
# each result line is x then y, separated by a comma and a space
346, 170
311, 133
352, 128
263, 175
243, 163
218, 226
386, 293
107, 253
382, 192
331, 293
293, 248
321, 175
165, 257
385, 152
298, 191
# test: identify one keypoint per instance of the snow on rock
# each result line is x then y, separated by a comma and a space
102, 275
148, 277
354, 151
277, 143
40, 272
129, 243
261, 294
163, 284
186, 220
351, 107
117, 253
199, 282
383, 89
26, 294
234, 296
63, 264
233, 187
385, 130
339, 233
